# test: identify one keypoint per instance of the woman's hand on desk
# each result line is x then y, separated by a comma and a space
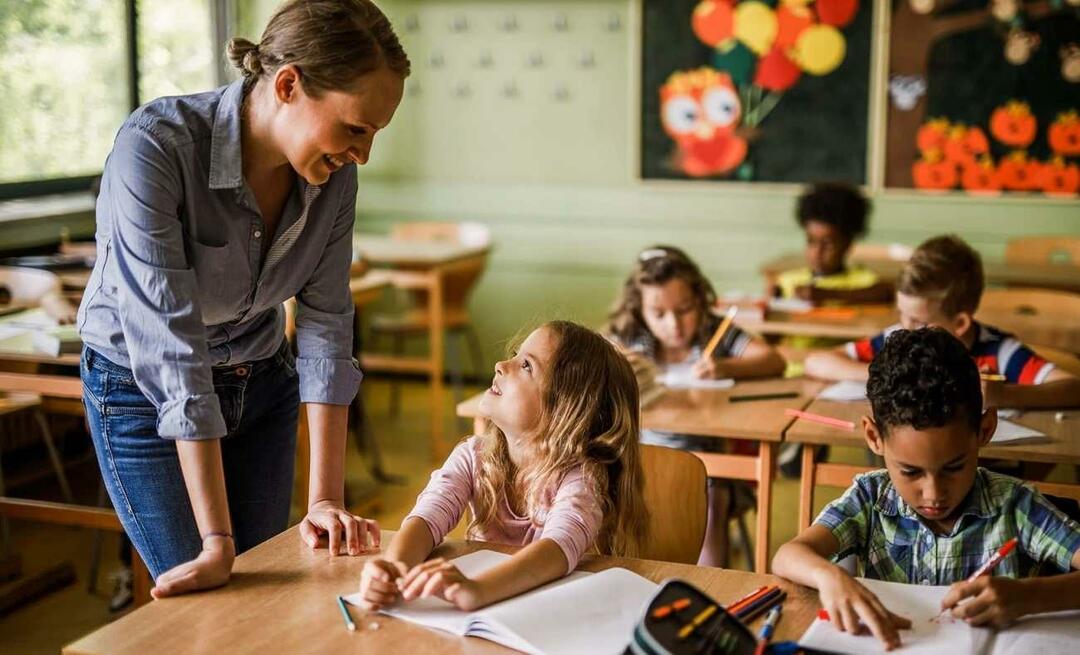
209, 570
439, 578
331, 519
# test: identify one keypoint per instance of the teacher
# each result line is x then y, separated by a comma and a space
214, 209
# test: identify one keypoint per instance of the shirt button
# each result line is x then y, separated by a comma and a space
241, 371
258, 233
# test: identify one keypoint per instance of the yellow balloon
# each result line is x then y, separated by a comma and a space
755, 26
819, 49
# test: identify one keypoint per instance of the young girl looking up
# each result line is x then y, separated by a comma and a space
665, 314
558, 471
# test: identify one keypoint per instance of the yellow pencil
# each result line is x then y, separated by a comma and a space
720, 332
702, 617
992, 377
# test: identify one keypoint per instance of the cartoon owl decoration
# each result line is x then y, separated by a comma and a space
700, 110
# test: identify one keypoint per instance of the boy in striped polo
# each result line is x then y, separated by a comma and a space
941, 285
933, 516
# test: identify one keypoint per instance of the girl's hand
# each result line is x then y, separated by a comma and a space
995, 601
707, 369
440, 579
379, 583
853, 608
209, 570
331, 519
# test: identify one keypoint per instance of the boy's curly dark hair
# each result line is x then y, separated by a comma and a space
924, 378
836, 203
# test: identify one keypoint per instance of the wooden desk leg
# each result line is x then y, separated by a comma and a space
141, 582
806, 486
435, 312
765, 474
303, 460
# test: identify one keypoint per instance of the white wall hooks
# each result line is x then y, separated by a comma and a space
462, 90
412, 23
509, 23
485, 60
460, 24
561, 93
510, 89
587, 60
613, 22
436, 60
535, 59
561, 23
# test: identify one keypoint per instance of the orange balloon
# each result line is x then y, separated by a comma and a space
713, 22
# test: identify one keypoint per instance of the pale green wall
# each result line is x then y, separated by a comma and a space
555, 179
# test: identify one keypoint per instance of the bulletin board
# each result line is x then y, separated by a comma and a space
984, 97
755, 90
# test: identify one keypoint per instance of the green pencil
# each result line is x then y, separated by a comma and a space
345, 613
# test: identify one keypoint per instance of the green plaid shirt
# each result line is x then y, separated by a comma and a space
890, 542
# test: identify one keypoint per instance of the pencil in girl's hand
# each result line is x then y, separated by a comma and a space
345, 613
720, 332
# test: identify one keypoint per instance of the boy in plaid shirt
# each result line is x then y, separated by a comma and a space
941, 285
933, 516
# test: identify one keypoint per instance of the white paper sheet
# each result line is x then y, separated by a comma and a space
1009, 432
844, 391
680, 376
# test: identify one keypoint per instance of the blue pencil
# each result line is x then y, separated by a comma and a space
345, 613
766, 630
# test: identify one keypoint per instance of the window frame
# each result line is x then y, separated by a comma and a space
222, 17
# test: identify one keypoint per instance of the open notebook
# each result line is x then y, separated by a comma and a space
1043, 633
581, 613
680, 376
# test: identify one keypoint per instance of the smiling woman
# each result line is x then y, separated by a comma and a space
214, 209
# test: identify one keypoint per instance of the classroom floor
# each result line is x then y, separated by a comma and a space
47, 624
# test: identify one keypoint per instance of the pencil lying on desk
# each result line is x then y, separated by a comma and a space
345, 613
720, 332
818, 418
764, 396
992, 377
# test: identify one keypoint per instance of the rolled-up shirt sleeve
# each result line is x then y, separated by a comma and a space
574, 518
157, 290
324, 316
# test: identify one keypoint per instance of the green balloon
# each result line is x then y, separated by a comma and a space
736, 59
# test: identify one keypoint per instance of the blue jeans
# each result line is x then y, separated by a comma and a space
260, 402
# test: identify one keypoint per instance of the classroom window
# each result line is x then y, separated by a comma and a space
66, 70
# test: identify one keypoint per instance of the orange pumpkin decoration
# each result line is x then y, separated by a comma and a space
956, 148
1064, 134
933, 173
976, 141
931, 135
980, 177
1018, 173
1059, 178
1013, 124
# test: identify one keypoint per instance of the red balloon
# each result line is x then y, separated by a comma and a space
790, 23
776, 72
837, 13
713, 21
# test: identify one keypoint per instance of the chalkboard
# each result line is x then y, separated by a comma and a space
817, 129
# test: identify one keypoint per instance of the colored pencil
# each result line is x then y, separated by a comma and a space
992, 377
765, 636
765, 396
345, 613
720, 332
749, 613
748, 597
818, 418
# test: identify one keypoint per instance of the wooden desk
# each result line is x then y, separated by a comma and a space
419, 265
1063, 446
281, 600
709, 413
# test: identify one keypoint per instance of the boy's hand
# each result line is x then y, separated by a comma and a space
441, 579
848, 603
995, 601
707, 369
379, 583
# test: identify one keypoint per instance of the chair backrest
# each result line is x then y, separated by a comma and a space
1061, 249
459, 283
675, 494
1037, 316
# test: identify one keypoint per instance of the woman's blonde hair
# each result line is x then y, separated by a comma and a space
589, 418
332, 42
656, 266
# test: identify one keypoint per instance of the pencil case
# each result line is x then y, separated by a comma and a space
672, 625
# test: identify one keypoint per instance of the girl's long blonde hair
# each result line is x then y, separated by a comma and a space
589, 418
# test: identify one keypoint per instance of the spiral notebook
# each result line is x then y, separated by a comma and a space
580, 613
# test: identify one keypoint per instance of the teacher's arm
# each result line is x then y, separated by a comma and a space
162, 327
329, 380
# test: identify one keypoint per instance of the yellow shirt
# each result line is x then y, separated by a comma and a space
847, 280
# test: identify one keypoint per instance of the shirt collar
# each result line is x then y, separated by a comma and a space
226, 163
977, 503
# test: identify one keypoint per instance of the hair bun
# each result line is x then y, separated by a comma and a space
245, 55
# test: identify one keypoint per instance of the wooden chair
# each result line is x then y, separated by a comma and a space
675, 495
457, 286
1062, 249
1041, 317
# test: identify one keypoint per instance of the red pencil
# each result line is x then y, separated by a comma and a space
994, 560
747, 599
818, 418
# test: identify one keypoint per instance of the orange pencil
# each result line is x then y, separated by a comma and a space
720, 332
